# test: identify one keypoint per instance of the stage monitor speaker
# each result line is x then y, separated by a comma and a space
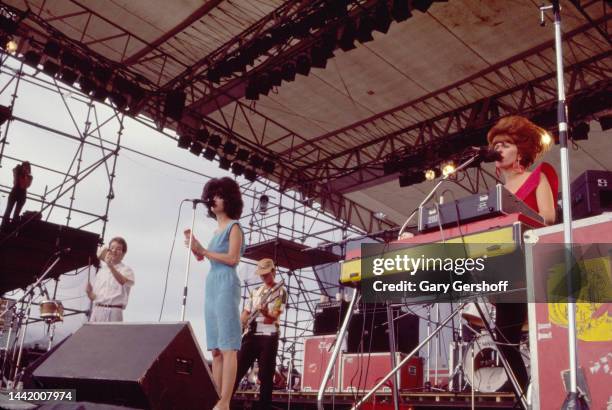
368, 331
591, 194
153, 366
329, 317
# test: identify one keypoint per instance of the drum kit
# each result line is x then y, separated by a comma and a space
15, 317
480, 360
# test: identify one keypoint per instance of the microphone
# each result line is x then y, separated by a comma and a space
486, 154
197, 201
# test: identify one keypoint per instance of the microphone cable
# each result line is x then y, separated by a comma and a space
178, 218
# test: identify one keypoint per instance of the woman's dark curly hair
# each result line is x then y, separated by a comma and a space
227, 189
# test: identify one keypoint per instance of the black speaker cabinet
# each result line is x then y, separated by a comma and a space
368, 331
152, 366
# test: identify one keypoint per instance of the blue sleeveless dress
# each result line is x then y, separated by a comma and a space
222, 297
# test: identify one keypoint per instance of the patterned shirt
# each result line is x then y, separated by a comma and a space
275, 302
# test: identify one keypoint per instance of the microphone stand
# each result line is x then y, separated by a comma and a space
573, 400
184, 305
435, 188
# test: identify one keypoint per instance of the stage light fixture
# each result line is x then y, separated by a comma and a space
87, 85
237, 169
263, 83
400, 10
364, 32
196, 148
337, 8
288, 70
605, 121
382, 18
318, 56
99, 94
184, 141
256, 161
175, 104
276, 76
9, 26
50, 68
347, 39
102, 75
422, 5
411, 178
242, 155
11, 46
448, 168
32, 58
225, 163
84, 66
264, 202
202, 135
214, 141
209, 153
52, 49
546, 139
68, 76
118, 100
70, 59
250, 175
251, 92
229, 148
581, 131
432, 174
268, 166
302, 64
213, 75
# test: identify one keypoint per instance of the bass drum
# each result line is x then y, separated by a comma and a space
488, 372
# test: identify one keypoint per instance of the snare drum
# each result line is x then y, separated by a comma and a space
52, 311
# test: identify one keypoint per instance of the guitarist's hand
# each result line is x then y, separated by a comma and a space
268, 320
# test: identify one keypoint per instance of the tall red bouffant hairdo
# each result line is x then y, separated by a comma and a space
523, 133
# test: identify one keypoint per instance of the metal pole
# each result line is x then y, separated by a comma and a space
337, 347
391, 327
572, 401
183, 307
405, 360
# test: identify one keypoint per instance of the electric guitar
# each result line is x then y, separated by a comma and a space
250, 323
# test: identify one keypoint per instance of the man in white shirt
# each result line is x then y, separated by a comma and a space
111, 288
261, 340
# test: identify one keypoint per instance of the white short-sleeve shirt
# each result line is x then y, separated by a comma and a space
110, 292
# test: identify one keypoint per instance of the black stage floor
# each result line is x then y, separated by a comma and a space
384, 401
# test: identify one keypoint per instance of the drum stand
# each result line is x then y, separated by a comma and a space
23, 319
456, 371
515, 384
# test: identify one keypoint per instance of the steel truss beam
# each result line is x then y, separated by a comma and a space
429, 118
78, 168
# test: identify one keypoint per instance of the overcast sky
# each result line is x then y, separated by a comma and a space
144, 210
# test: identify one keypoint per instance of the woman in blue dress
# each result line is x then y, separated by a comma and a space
222, 293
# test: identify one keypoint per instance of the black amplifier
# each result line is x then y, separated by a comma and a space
498, 201
329, 316
591, 194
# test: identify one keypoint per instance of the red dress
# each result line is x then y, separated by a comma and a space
527, 191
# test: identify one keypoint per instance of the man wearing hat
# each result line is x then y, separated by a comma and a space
261, 317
